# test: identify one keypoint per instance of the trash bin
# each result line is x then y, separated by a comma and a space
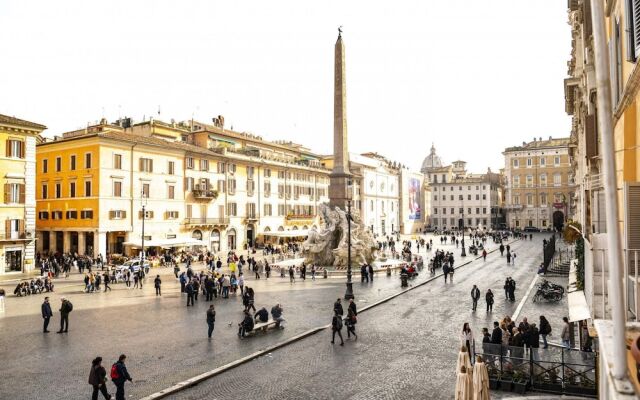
404, 279
388, 271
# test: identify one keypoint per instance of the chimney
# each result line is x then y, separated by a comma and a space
550, 138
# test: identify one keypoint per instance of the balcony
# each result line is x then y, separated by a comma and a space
204, 194
296, 217
205, 221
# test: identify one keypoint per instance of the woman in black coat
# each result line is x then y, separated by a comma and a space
98, 379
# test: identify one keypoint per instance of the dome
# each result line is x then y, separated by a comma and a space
431, 161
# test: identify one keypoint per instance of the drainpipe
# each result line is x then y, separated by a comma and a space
605, 126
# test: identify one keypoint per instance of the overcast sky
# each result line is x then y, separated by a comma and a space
471, 76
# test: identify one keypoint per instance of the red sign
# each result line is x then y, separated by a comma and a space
558, 205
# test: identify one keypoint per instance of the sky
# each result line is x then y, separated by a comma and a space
470, 76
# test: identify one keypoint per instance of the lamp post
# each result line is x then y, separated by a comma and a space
463, 253
144, 205
349, 292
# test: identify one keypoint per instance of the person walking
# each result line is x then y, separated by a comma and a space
211, 319
337, 307
156, 284
313, 272
46, 314
475, 296
65, 308
370, 272
351, 321
119, 375
513, 258
292, 275
98, 379
508, 257
545, 329
484, 255
501, 250
566, 333
489, 299
336, 327
136, 280
190, 294
107, 281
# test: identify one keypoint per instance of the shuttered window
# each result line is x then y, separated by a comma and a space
15, 148
146, 165
633, 10
14, 193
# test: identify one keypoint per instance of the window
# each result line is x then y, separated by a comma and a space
189, 211
543, 161
460, 188
45, 166
453, 210
43, 215
171, 192
529, 162
232, 168
72, 163
435, 197
58, 164
232, 186
117, 161
15, 148
58, 190
529, 199
145, 190
468, 197
267, 189
171, 168
460, 197
544, 223
250, 171
232, 210
72, 214
204, 165
117, 214
435, 210
477, 197
451, 196
484, 210
14, 193
221, 167
543, 199
86, 214
267, 210
516, 199
543, 179
484, 197
529, 180
516, 181
267, 173
469, 210
557, 197
87, 188
477, 210
72, 189
516, 164
57, 215
556, 160
251, 210
557, 179
45, 191
146, 165
171, 215
444, 210
189, 163
87, 160
117, 189
222, 185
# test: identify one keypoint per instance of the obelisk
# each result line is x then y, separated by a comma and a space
340, 176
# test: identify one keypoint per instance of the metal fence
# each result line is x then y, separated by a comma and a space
554, 370
549, 250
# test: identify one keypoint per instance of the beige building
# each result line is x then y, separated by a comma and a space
18, 140
540, 184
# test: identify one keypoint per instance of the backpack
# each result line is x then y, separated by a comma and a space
69, 306
114, 371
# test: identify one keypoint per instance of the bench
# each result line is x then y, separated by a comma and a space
262, 326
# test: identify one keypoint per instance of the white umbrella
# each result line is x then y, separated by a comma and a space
480, 381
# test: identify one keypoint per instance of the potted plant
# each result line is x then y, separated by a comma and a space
494, 377
519, 382
577, 384
506, 378
549, 382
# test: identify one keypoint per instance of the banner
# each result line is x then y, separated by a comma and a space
415, 211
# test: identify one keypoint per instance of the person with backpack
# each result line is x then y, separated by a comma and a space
65, 308
119, 375
98, 379
336, 327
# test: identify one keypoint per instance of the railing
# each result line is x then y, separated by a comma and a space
204, 193
555, 369
13, 236
594, 182
300, 216
206, 221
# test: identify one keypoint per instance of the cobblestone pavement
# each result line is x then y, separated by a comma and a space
165, 341
406, 348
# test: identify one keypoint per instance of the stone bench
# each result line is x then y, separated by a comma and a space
262, 326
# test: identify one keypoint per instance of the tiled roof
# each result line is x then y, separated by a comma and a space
151, 141
5, 119
539, 144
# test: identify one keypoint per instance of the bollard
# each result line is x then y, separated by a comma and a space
325, 275
388, 271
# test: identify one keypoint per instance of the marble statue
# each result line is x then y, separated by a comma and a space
327, 246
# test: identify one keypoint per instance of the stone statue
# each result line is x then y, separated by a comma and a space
328, 246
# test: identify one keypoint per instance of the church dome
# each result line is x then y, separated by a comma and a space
431, 161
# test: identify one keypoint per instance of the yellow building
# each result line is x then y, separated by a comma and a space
540, 184
18, 140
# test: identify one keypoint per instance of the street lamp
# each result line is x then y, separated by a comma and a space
349, 293
144, 206
463, 253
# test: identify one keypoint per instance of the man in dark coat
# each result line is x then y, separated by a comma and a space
65, 309
190, 294
211, 319
337, 307
156, 284
46, 314
496, 335
370, 272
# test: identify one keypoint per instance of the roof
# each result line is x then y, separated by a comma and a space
541, 144
5, 119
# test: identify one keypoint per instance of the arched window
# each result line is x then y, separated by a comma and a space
197, 234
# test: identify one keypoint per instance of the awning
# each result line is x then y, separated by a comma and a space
578, 307
287, 234
177, 242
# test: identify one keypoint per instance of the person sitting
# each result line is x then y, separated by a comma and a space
246, 325
276, 314
262, 315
